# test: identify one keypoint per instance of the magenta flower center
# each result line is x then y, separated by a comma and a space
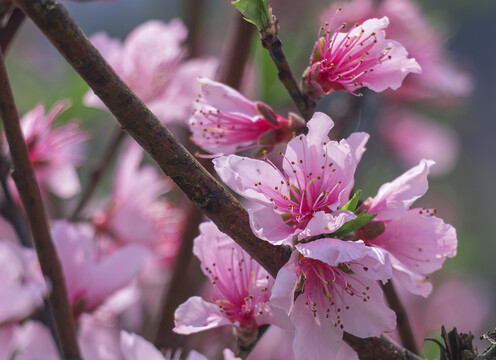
241, 288
329, 288
304, 192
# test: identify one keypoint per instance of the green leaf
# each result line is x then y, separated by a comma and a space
352, 204
255, 11
362, 219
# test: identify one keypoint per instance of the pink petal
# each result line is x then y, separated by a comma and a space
197, 315
241, 174
226, 99
285, 285
134, 347
269, 225
333, 251
315, 338
323, 223
394, 198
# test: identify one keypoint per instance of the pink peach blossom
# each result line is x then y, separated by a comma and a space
224, 121
135, 347
153, 63
413, 137
92, 277
53, 151
417, 242
362, 57
442, 78
336, 282
241, 288
22, 287
136, 212
303, 198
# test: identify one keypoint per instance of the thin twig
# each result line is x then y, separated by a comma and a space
8, 208
97, 172
29, 192
233, 63
270, 41
9, 31
402, 322
214, 201
192, 11
176, 292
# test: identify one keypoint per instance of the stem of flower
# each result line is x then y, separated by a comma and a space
402, 322
378, 348
8, 32
270, 41
28, 189
97, 172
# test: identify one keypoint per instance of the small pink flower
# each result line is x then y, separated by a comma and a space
92, 277
336, 283
22, 287
224, 121
413, 137
53, 151
303, 198
362, 57
153, 63
136, 212
241, 288
416, 241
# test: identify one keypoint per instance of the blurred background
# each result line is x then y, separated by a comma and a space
464, 122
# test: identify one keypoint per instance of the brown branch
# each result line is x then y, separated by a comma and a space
97, 172
238, 50
135, 118
29, 192
402, 322
192, 20
214, 201
270, 41
8, 32
176, 292
381, 348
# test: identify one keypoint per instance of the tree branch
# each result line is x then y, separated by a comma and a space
9, 31
214, 201
270, 41
29, 192
402, 322
378, 348
135, 118
97, 172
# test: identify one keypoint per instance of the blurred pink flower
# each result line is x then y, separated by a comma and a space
304, 197
417, 242
22, 287
224, 121
53, 151
135, 347
362, 57
413, 137
153, 63
241, 288
92, 277
136, 213
337, 282
441, 79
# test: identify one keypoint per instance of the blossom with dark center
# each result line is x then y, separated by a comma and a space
361, 57
241, 286
225, 122
336, 283
302, 198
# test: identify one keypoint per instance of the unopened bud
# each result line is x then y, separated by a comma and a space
267, 112
295, 121
370, 230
